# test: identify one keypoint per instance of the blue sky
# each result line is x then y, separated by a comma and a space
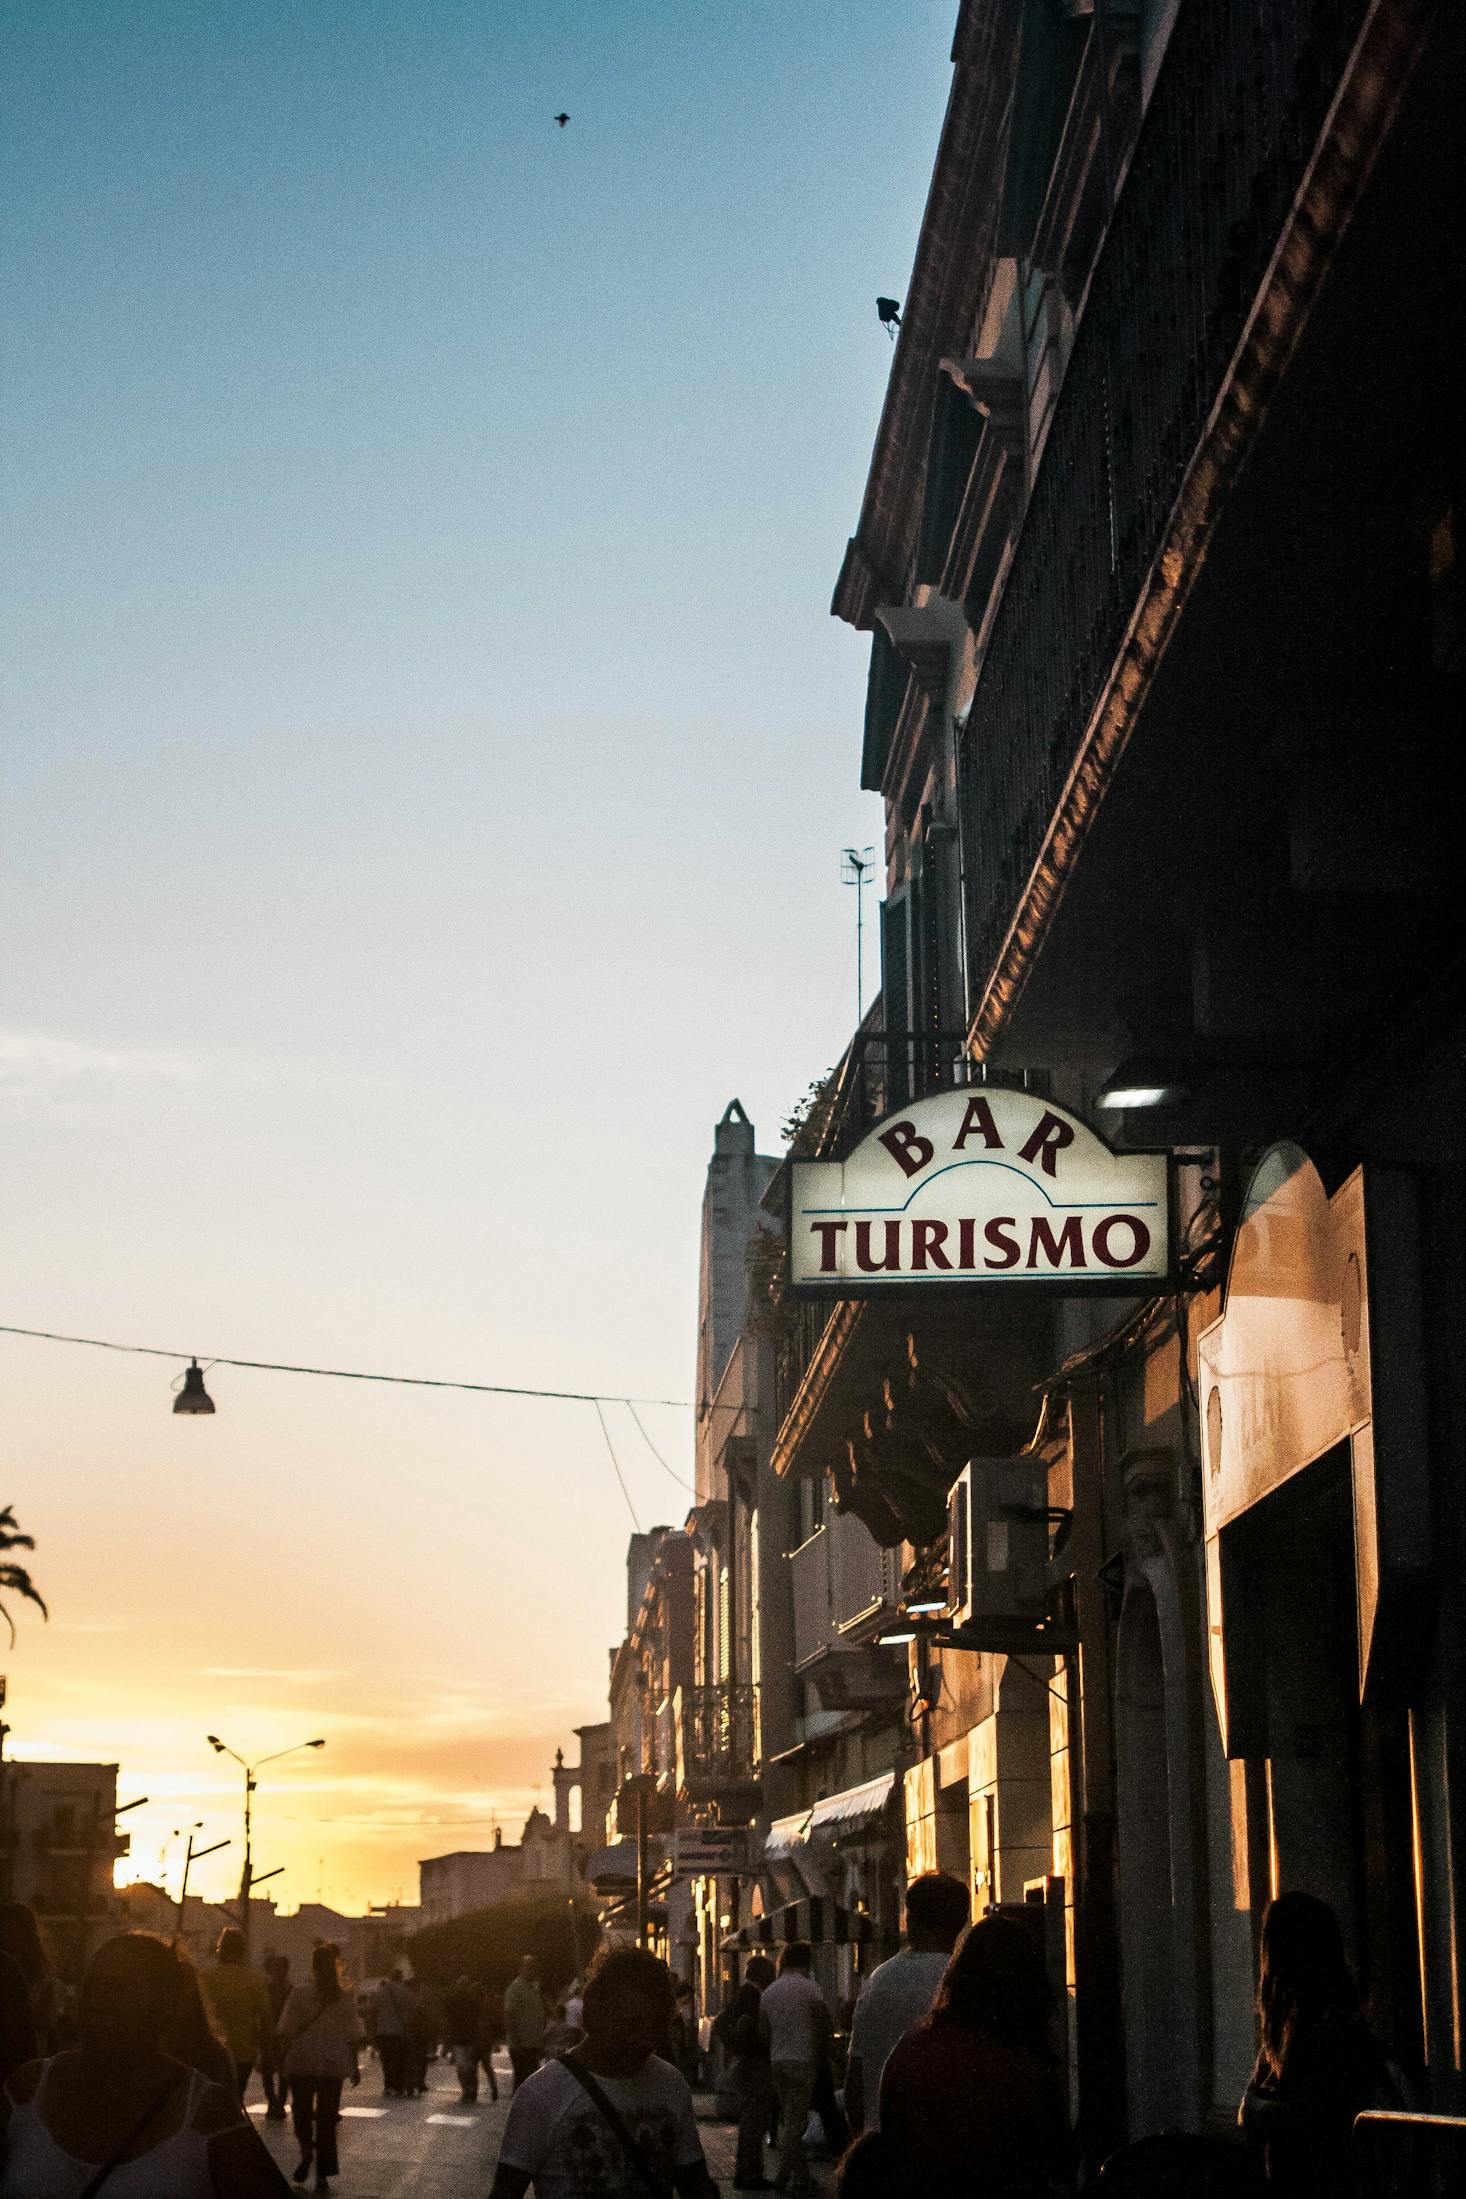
429, 753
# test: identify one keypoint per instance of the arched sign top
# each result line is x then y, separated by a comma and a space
975, 1186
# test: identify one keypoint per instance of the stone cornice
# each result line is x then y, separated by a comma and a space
940, 302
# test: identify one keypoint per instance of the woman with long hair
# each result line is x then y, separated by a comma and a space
972, 2098
121, 2110
321, 2034
1318, 2062
22, 1939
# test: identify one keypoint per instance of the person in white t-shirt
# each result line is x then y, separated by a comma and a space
795, 2026
898, 1993
569, 2124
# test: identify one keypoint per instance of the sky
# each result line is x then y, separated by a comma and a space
428, 753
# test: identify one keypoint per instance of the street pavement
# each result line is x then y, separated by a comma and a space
436, 2148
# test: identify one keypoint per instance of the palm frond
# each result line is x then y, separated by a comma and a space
15, 1579
11, 1537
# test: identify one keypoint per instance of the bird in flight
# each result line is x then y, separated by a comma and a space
562, 120
889, 310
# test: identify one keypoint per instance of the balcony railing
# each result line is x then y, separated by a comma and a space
717, 1737
889, 1069
1238, 106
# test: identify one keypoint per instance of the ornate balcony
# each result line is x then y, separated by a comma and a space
717, 1743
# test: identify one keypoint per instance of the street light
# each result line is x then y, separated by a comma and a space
193, 1397
246, 1876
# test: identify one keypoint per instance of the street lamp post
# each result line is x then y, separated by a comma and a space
191, 1856
246, 1875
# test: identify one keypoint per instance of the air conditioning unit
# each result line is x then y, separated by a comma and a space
998, 1540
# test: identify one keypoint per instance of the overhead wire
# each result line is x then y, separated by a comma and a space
616, 1464
671, 1471
352, 1374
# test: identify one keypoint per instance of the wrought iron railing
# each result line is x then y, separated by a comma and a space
717, 1733
1238, 105
891, 1068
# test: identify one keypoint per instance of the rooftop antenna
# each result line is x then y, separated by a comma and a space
856, 865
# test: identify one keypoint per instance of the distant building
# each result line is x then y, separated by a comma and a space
369, 1944
58, 1843
469, 1879
702, 1698
738, 1176
551, 1851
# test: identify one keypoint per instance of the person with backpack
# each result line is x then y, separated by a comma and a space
321, 2034
613, 2119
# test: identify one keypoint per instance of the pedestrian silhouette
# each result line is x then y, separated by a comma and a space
1318, 2062
972, 2099
118, 2110
321, 2033
612, 2115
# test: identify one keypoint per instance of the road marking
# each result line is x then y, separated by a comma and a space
364, 2114
257, 2107
463, 2122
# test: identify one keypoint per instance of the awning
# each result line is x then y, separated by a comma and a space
785, 1835
858, 1810
623, 1912
613, 1869
817, 1919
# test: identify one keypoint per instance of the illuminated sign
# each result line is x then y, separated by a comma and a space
979, 1185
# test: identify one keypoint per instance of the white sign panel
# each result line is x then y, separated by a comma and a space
705, 1851
979, 1185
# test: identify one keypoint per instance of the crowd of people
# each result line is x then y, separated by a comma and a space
953, 2088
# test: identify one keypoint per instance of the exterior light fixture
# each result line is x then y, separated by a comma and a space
897, 1639
931, 1607
193, 1397
1147, 1080
1134, 1095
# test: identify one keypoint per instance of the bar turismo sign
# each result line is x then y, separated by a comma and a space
979, 1185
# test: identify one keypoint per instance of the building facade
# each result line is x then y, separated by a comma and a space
1165, 655
59, 1841
553, 1850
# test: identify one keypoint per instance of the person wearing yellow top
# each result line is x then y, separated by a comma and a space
239, 2002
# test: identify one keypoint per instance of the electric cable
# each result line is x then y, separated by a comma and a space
351, 1374
671, 1471
616, 1464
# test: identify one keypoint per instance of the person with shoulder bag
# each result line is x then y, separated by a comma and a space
321, 2032
613, 2119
